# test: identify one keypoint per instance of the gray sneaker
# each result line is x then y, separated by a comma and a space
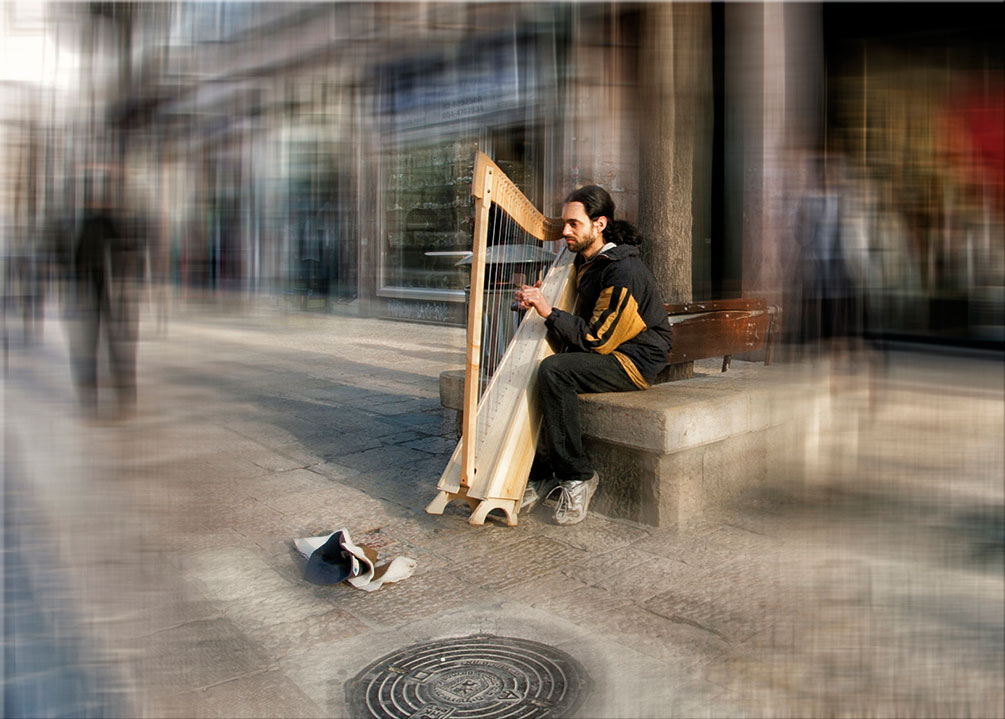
574, 499
536, 492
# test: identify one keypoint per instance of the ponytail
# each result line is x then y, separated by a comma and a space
621, 232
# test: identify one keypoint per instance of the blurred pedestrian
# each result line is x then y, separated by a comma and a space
107, 270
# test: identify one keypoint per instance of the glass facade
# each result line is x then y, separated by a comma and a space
429, 215
437, 111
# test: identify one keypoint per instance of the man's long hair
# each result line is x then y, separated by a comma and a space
598, 203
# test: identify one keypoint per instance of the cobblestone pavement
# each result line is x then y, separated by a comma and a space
149, 569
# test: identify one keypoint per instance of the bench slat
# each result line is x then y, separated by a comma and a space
718, 334
748, 304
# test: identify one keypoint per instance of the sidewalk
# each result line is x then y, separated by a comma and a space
874, 586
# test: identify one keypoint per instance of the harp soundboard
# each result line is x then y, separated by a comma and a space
501, 422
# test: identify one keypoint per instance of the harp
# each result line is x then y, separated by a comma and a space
501, 422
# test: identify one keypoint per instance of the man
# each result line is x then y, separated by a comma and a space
107, 263
617, 341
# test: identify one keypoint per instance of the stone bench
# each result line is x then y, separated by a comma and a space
667, 453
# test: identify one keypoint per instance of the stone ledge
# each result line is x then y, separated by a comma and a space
667, 453
708, 408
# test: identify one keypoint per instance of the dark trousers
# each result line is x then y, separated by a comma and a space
111, 310
560, 379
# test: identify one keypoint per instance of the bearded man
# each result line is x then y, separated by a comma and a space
616, 341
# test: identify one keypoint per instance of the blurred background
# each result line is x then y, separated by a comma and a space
268, 180
844, 160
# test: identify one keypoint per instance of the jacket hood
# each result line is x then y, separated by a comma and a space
620, 252
611, 254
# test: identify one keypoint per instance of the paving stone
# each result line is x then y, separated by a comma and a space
450, 536
333, 471
744, 540
696, 551
232, 573
382, 458
583, 605
283, 482
163, 607
660, 637
187, 441
322, 672
387, 405
331, 505
345, 443
415, 598
845, 593
263, 526
597, 534
197, 654
708, 612
650, 578
235, 466
540, 591
517, 562
442, 447
263, 694
263, 431
403, 437
631, 685
431, 418
289, 619
190, 542
598, 567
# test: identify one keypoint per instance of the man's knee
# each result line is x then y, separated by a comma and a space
554, 369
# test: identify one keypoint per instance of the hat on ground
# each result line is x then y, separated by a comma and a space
333, 559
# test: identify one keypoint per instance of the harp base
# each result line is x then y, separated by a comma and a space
479, 508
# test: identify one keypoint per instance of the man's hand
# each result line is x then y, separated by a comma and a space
530, 296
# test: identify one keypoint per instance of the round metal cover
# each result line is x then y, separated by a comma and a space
481, 676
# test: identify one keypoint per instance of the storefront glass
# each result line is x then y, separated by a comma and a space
438, 112
429, 215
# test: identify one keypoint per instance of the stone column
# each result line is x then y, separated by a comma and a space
601, 135
773, 74
675, 78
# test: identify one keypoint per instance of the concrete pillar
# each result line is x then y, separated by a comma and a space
602, 141
675, 141
772, 102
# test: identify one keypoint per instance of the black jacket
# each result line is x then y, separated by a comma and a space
619, 312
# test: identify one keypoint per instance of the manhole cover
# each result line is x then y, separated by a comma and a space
480, 676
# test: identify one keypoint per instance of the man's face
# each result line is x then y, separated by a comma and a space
579, 231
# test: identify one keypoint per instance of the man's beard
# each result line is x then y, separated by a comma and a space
582, 243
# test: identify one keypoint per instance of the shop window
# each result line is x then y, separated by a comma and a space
429, 212
428, 216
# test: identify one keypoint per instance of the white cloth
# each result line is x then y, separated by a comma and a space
366, 574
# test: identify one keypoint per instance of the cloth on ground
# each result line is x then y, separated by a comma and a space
334, 558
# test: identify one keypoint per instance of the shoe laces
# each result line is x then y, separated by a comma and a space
565, 502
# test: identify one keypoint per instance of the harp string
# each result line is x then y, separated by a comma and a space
513, 258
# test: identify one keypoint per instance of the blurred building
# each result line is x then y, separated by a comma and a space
322, 153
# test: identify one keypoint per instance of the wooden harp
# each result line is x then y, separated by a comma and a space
501, 422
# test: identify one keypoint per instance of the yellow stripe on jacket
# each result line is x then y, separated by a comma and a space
615, 320
631, 370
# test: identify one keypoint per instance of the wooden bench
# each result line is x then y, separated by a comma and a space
722, 328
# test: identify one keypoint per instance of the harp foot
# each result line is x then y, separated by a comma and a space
508, 506
443, 498
439, 503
